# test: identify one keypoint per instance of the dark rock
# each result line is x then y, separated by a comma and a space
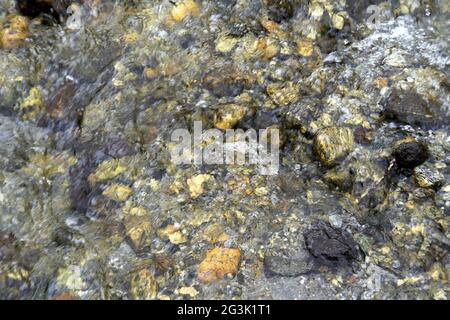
35, 8
280, 10
343, 180
410, 108
225, 81
410, 153
331, 247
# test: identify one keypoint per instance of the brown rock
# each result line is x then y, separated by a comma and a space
218, 263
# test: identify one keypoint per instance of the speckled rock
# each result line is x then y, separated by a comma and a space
427, 176
218, 263
332, 144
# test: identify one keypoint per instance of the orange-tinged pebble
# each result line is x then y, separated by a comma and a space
12, 38
151, 73
382, 82
184, 9
270, 25
218, 263
20, 23
267, 47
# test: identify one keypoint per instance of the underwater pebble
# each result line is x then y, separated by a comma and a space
218, 263
332, 144
410, 153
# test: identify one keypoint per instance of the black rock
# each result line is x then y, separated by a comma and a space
35, 8
410, 153
410, 108
331, 247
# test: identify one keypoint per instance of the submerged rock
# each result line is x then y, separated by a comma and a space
410, 153
331, 247
218, 263
227, 116
286, 266
333, 144
280, 10
16, 34
410, 108
226, 81
35, 8
426, 176
143, 285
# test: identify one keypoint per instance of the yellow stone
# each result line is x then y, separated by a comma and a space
267, 47
338, 20
46, 165
151, 73
271, 26
332, 144
107, 170
131, 37
177, 238
261, 191
283, 94
139, 230
195, 184
16, 34
173, 233
143, 285
305, 48
19, 23
118, 192
226, 44
227, 116
32, 104
188, 291
218, 263
185, 8
138, 211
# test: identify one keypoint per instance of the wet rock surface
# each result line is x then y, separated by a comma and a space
93, 207
331, 247
410, 153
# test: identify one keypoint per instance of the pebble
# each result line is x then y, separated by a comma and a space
218, 263
16, 34
410, 153
195, 184
118, 192
184, 9
305, 48
411, 108
284, 94
332, 144
228, 115
426, 176
331, 247
143, 285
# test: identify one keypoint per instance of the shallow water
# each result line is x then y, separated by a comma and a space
93, 206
